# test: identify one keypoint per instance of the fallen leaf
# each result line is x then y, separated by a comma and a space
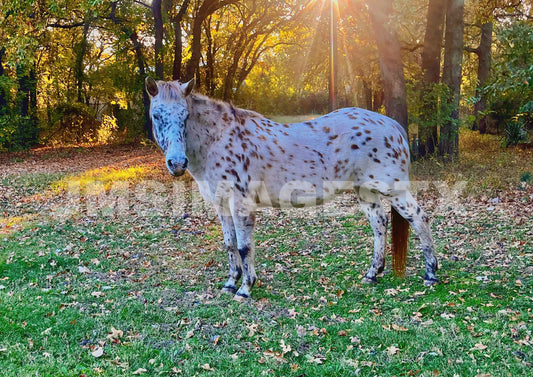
395, 327
355, 339
115, 334
447, 315
252, 328
285, 347
276, 355
293, 313
391, 292
83, 270
317, 359
140, 371
392, 350
207, 367
478, 347
98, 352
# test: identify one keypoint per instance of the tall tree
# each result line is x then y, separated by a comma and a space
206, 8
483, 51
254, 23
431, 56
80, 50
3, 99
158, 38
451, 76
177, 18
390, 60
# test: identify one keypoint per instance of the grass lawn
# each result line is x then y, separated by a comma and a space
110, 268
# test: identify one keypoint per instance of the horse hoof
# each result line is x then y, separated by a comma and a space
240, 298
367, 280
431, 282
230, 290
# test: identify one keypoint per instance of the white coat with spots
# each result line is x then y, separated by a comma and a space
242, 161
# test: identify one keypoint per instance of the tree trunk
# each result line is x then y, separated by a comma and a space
3, 98
81, 50
178, 51
178, 43
333, 56
158, 42
28, 132
427, 132
483, 72
207, 8
377, 99
137, 47
367, 95
210, 60
451, 76
390, 61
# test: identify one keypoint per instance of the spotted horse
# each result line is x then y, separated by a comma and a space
243, 161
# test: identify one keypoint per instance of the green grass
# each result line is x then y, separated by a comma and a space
66, 283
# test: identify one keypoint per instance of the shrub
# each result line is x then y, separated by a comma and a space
17, 132
514, 132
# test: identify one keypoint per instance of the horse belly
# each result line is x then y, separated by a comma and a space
297, 193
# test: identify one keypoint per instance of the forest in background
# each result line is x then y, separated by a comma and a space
73, 71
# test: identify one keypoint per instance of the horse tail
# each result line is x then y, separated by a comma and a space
399, 238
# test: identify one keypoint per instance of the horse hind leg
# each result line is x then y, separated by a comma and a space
408, 208
372, 208
234, 259
244, 227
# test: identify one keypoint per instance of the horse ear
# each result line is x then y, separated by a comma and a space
151, 86
188, 87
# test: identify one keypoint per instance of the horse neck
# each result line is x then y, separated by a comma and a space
203, 128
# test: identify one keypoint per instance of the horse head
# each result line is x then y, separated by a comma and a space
169, 113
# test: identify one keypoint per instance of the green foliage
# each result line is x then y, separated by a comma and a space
7, 132
511, 88
17, 132
515, 132
431, 108
526, 177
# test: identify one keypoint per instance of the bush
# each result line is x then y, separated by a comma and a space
17, 132
526, 177
510, 90
514, 133
72, 123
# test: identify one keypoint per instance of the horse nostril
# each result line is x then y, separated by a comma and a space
186, 163
170, 164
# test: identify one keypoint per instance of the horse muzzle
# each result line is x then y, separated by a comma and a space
177, 167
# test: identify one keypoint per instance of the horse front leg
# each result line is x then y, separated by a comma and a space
244, 227
371, 206
234, 259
